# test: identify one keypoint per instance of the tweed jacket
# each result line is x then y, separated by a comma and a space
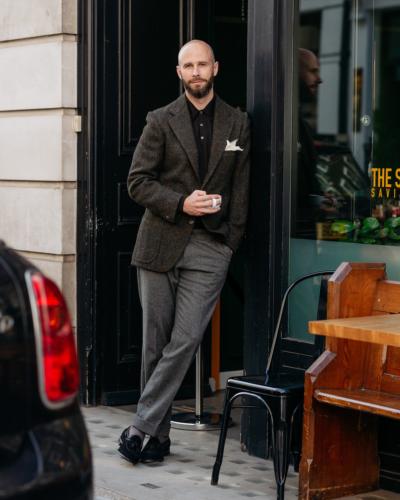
165, 167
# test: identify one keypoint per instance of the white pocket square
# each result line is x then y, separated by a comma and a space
232, 146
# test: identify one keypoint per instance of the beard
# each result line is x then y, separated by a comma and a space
200, 92
305, 93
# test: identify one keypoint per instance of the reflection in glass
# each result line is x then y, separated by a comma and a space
348, 132
345, 189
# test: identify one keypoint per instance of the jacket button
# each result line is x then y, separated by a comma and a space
191, 221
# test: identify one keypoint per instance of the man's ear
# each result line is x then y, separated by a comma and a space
216, 68
178, 71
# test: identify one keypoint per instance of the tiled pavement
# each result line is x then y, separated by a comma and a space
185, 475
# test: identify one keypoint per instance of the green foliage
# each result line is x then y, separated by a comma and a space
368, 231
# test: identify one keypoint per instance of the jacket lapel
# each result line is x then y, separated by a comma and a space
223, 123
182, 127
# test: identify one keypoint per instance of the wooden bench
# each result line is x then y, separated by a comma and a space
354, 382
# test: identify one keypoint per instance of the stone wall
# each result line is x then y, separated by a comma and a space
38, 144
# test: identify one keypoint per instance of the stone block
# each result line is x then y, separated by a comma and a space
70, 16
38, 146
34, 18
38, 218
38, 75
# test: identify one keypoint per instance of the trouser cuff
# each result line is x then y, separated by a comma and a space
144, 426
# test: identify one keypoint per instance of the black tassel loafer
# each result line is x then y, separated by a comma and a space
155, 451
130, 447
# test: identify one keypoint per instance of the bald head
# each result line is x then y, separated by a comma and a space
197, 68
309, 70
307, 57
195, 44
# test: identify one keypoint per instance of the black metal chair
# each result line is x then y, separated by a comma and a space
281, 393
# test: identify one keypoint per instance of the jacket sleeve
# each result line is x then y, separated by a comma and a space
143, 178
240, 190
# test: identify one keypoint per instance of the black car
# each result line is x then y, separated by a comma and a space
44, 447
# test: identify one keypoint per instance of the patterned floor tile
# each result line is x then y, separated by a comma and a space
188, 469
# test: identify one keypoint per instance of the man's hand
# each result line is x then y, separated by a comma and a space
200, 203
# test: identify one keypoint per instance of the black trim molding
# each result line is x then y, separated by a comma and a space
85, 267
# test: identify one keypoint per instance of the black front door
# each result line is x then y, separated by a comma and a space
139, 43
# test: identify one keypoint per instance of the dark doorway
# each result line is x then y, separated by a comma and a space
223, 24
138, 46
129, 71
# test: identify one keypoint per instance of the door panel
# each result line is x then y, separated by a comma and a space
134, 76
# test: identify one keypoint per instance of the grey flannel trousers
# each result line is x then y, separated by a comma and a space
177, 307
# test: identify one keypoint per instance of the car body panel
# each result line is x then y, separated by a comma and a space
44, 453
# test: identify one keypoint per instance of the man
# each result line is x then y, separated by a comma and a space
308, 188
309, 81
309, 75
190, 171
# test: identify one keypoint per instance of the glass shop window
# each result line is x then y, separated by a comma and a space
345, 185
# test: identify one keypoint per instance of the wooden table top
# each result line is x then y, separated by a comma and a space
382, 329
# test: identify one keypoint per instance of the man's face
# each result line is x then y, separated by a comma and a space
309, 72
197, 70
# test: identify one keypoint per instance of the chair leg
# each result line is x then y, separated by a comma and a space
295, 440
280, 456
222, 438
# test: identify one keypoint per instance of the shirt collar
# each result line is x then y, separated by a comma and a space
207, 111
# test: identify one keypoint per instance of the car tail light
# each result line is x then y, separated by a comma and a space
56, 351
